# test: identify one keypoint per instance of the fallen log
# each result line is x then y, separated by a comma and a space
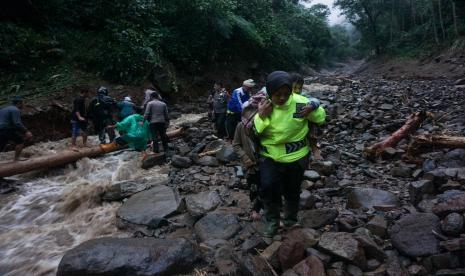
421, 143
63, 158
413, 123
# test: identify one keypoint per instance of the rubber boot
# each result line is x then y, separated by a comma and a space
109, 147
272, 220
290, 213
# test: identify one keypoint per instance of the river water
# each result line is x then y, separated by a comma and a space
54, 211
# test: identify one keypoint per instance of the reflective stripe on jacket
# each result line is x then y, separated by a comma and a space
283, 135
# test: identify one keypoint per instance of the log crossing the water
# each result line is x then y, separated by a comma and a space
63, 158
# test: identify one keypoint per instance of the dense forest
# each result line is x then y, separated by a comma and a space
406, 27
48, 44
123, 40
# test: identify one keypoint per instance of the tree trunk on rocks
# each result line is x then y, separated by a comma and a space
413, 122
424, 142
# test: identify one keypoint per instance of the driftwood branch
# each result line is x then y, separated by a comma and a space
422, 143
412, 124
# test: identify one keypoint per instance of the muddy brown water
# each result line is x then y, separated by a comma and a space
54, 211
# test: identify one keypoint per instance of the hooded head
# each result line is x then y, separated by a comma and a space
102, 91
279, 87
18, 101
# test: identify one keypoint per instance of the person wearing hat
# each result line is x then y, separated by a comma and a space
239, 99
12, 128
282, 127
126, 108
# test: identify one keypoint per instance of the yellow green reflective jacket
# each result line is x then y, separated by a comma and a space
283, 134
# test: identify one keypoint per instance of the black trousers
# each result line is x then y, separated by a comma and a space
232, 119
159, 129
253, 180
281, 179
220, 124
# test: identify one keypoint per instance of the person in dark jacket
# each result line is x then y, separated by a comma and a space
79, 119
156, 113
100, 112
12, 128
219, 105
239, 99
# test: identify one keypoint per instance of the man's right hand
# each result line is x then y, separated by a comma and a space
265, 108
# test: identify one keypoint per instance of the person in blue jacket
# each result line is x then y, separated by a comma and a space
239, 100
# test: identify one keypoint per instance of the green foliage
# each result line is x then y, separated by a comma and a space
122, 40
405, 27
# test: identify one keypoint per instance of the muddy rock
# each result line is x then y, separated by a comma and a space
209, 161
345, 246
151, 207
418, 189
452, 224
323, 167
181, 162
290, 253
310, 266
378, 226
369, 198
412, 234
202, 203
217, 226
455, 203
307, 200
317, 218
253, 265
115, 256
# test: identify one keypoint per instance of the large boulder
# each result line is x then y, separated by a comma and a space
369, 198
202, 203
129, 256
150, 207
317, 218
413, 234
345, 246
122, 190
217, 226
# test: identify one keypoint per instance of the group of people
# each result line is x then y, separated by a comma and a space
274, 133
137, 125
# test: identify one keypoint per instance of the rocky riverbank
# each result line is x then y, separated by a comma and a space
389, 217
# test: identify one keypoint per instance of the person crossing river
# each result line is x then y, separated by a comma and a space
282, 127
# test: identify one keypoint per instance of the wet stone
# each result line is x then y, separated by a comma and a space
202, 203
150, 207
208, 161
181, 162
323, 167
412, 234
378, 226
310, 266
317, 218
322, 256
130, 256
454, 203
307, 200
419, 188
452, 224
217, 226
343, 245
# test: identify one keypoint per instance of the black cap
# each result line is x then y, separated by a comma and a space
276, 80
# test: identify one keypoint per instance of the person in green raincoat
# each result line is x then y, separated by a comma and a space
136, 132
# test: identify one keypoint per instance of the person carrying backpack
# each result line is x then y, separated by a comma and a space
219, 105
100, 113
156, 113
239, 99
